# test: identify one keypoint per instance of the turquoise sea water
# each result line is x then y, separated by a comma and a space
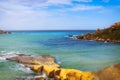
70, 53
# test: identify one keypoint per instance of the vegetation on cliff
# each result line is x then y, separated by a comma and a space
111, 34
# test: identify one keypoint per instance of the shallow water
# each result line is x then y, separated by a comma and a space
70, 53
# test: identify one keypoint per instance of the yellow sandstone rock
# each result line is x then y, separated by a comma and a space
49, 70
63, 74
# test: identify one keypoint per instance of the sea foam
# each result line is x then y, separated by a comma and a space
4, 55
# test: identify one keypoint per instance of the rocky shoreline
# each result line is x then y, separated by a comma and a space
46, 68
4, 32
111, 34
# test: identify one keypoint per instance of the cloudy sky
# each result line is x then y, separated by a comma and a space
58, 14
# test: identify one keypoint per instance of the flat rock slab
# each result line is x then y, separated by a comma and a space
34, 60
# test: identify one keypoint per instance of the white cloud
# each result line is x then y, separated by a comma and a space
84, 0
17, 16
59, 1
24, 14
84, 8
41, 2
105, 0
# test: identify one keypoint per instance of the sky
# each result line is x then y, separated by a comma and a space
58, 14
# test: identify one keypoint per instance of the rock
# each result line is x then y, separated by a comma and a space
41, 78
49, 70
110, 34
63, 74
109, 73
80, 37
4, 32
46, 66
34, 60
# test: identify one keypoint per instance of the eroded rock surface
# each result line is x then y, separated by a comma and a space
62, 73
34, 60
48, 69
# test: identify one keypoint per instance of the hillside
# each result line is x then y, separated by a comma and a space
111, 34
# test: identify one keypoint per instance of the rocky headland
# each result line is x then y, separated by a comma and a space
111, 34
4, 32
47, 69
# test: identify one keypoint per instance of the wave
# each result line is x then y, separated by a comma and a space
21, 67
4, 55
17, 67
71, 36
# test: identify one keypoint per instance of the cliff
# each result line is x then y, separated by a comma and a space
111, 34
4, 32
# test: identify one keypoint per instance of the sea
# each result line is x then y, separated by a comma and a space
69, 52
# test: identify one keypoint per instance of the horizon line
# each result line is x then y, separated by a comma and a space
51, 30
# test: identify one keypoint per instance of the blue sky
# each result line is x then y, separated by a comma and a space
58, 14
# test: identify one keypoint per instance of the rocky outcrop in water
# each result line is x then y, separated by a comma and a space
111, 34
4, 32
48, 69
34, 60
62, 73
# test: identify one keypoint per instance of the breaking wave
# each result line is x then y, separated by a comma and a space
4, 55
21, 67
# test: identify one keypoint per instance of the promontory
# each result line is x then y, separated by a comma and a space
111, 34
4, 32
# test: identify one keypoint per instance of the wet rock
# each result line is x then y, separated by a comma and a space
34, 60
41, 78
80, 37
